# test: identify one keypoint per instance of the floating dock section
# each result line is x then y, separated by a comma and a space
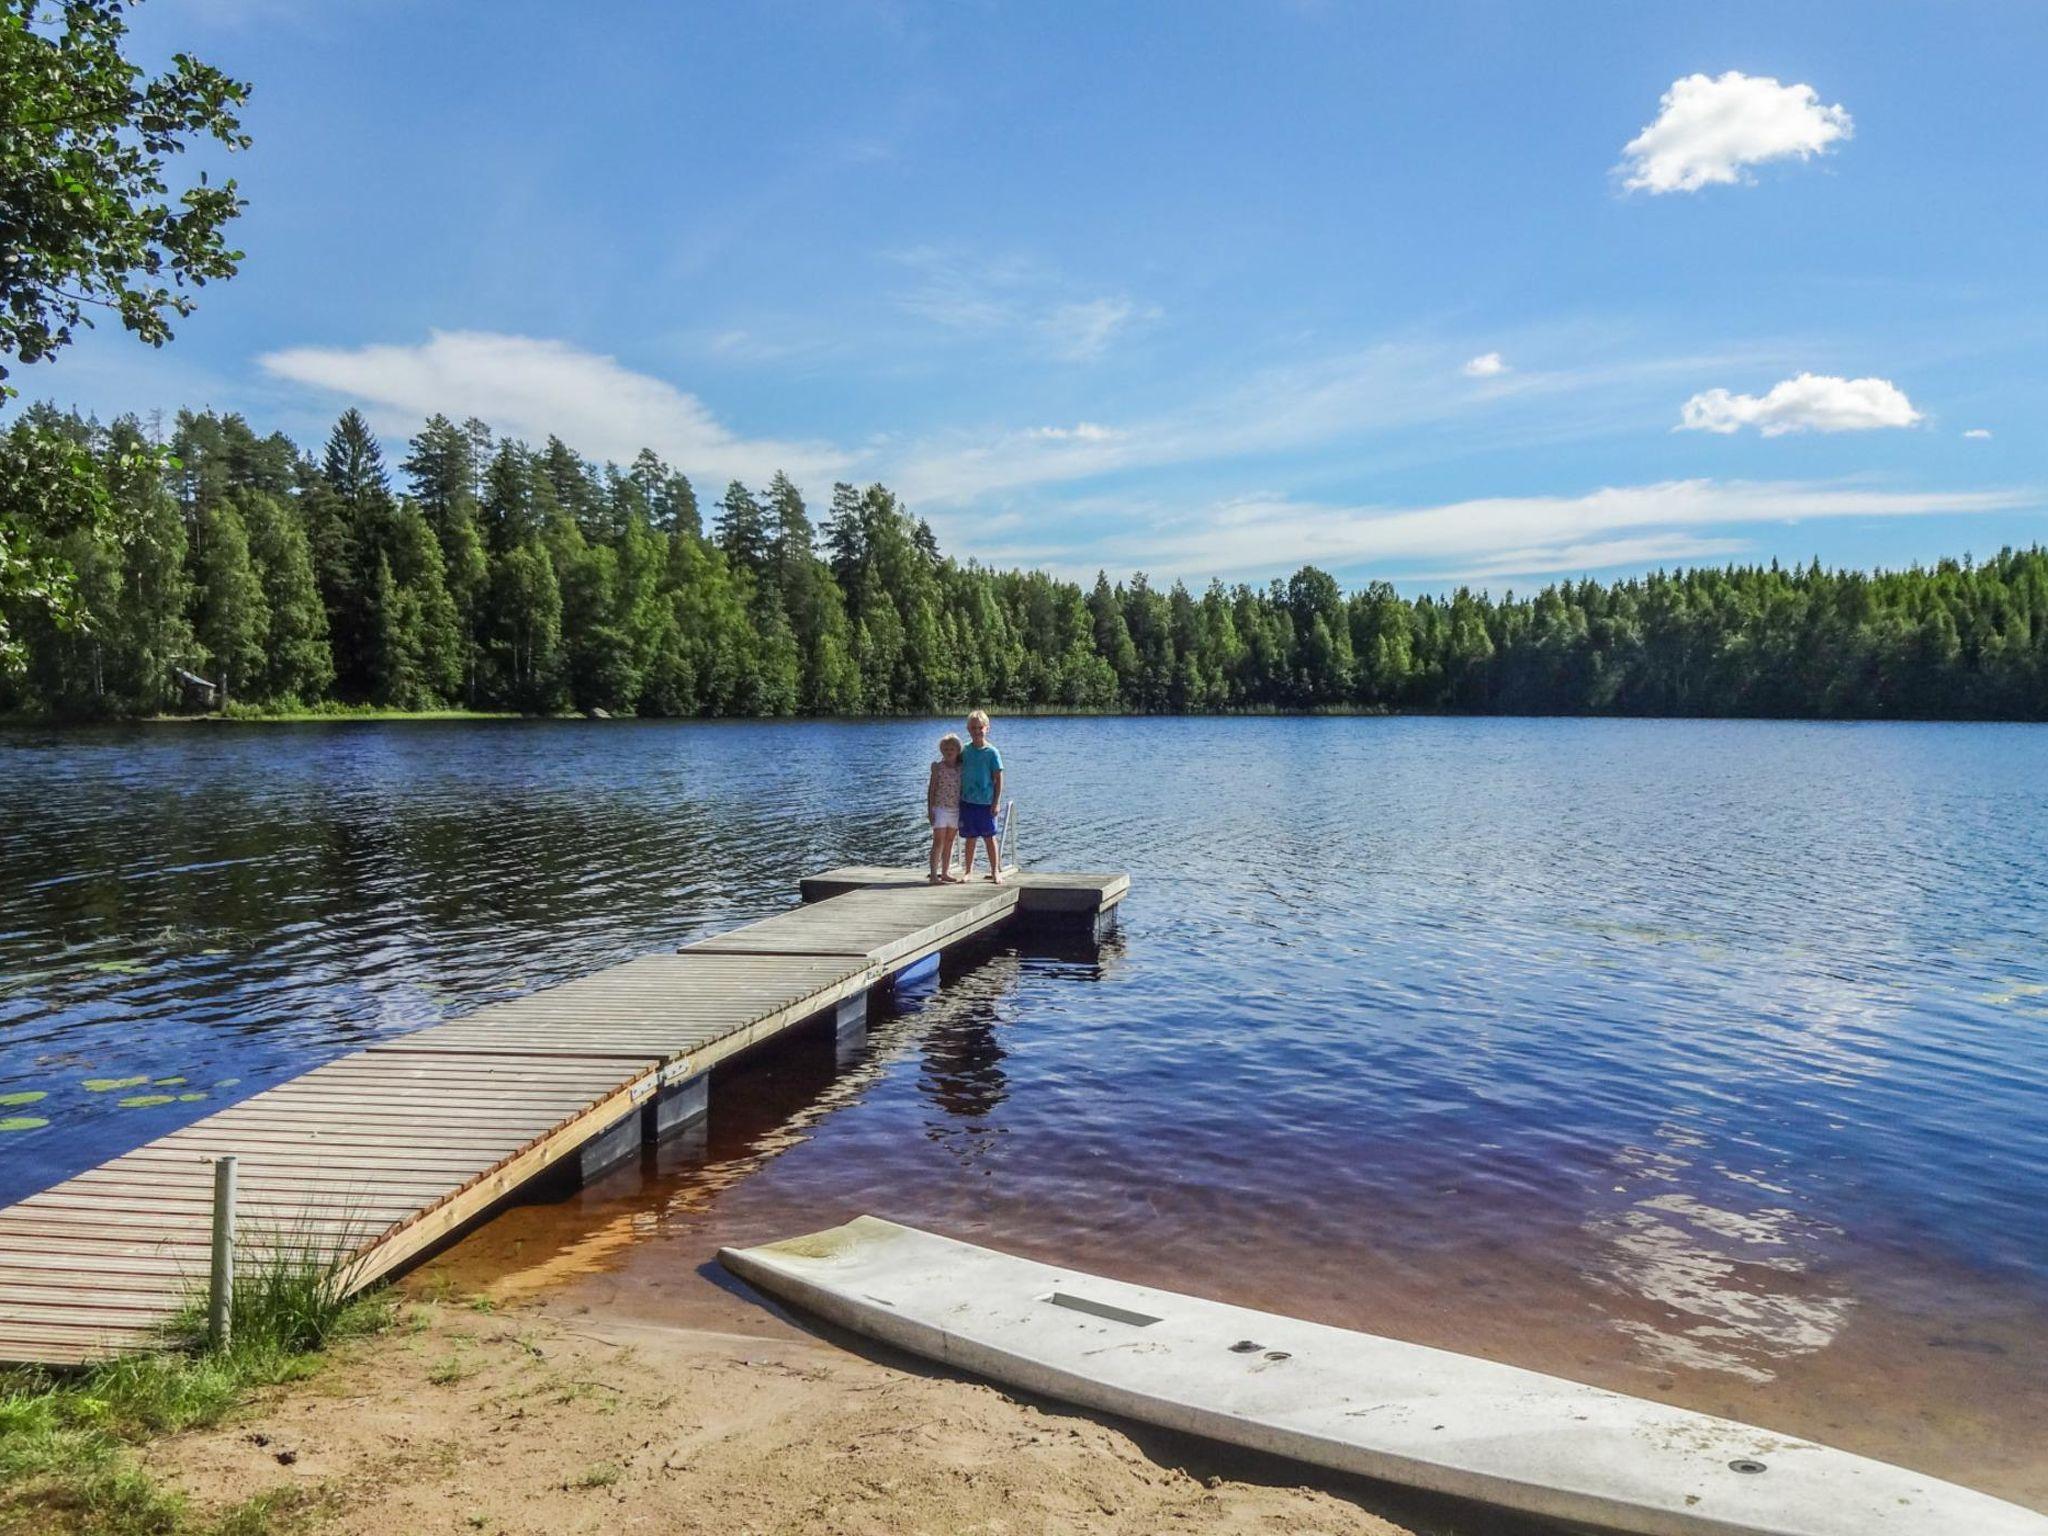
376, 1158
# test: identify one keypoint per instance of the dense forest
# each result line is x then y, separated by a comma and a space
506, 577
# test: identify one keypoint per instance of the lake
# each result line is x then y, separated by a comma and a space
1705, 1060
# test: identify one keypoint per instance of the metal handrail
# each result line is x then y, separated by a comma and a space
1006, 846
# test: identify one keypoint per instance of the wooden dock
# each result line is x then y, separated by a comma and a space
381, 1155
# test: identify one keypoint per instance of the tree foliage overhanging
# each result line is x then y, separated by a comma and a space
506, 577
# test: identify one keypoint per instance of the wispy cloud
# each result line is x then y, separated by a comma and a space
1616, 526
1092, 432
1486, 365
1710, 130
1980, 433
1356, 396
1082, 332
528, 387
1812, 402
1018, 298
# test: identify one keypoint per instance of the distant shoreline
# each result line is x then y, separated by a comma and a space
365, 714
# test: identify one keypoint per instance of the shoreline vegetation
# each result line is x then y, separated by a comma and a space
73, 1444
221, 567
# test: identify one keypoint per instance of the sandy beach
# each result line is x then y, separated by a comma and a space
536, 1418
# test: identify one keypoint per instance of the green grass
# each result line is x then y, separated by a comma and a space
67, 1462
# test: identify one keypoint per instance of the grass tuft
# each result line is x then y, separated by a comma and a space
67, 1466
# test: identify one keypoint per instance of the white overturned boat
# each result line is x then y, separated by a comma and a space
1352, 1402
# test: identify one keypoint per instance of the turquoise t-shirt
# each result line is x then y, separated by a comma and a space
978, 769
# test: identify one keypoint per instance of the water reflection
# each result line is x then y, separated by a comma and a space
763, 1105
962, 1063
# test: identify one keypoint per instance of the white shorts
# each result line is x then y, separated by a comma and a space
945, 818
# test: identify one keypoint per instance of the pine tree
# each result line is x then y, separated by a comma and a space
577, 491
790, 556
352, 521
846, 539
510, 514
742, 529
440, 471
671, 502
354, 467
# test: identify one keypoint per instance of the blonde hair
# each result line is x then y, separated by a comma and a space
949, 740
980, 718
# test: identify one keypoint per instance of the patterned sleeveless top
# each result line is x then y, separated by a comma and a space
946, 785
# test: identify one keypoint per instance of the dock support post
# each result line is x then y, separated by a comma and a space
849, 1029
678, 1104
221, 1300
610, 1147
917, 973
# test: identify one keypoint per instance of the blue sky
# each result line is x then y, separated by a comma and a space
1196, 288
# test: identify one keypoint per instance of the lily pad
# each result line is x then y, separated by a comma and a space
190, 1098
144, 1100
227, 1082
22, 1123
30, 1096
109, 1084
170, 1082
118, 968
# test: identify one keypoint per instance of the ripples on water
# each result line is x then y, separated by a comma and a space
1699, 1058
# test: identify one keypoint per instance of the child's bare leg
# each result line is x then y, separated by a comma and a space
931, 859
967, 859
995, 861
947, 837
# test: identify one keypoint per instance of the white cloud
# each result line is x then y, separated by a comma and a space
1708, 130
1080, 432
1631, 525
528, 387
1485, 366
1978, 432
1812, 402
1644, 553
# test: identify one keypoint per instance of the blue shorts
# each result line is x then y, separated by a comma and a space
977, 820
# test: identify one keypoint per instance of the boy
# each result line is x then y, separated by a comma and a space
981, 791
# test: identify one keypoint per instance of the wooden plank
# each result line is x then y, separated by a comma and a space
704, 999
1039, 891
892, 927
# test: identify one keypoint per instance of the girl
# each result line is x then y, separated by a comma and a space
942, 809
